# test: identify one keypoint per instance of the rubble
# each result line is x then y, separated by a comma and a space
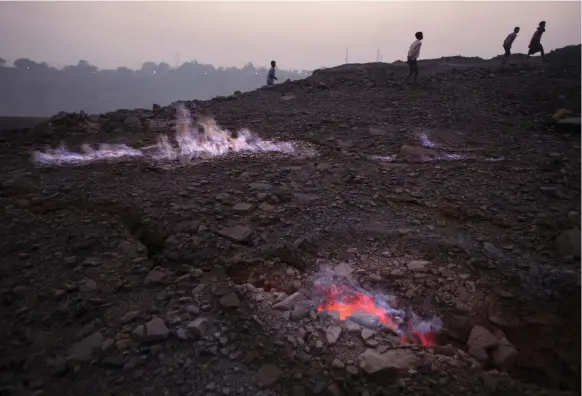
204, 274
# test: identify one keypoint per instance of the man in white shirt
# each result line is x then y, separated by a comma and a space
507, 43
412, 58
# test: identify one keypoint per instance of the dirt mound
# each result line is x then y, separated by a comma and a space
183, 250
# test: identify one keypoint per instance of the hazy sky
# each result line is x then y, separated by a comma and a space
300, 35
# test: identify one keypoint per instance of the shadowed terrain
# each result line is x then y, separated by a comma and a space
457, 199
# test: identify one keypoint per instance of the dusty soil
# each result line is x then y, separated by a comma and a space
116, 278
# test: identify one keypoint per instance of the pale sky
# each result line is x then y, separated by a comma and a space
297, 34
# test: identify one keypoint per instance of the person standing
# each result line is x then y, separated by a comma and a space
271, 75
535, 45
412, 58
508, 43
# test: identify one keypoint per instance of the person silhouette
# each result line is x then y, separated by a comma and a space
271, 74
535, 45
412, 58
507, 43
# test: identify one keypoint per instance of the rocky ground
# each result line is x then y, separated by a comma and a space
197, 277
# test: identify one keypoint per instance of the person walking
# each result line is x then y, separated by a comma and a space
271, 74
535, 45
507, 43
412, 58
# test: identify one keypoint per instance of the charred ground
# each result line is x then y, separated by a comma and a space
117, 278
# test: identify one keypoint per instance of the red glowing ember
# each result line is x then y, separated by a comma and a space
347, 303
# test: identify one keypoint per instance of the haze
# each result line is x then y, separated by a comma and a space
187, 50
299, 35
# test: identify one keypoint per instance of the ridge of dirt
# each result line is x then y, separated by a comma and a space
133, 277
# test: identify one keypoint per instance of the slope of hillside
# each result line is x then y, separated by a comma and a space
152, 273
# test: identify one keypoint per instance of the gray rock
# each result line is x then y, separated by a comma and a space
301, 309
365, 319
504, 355
332, 334
83, 350
156, 330
182, 334
288, 303
343, 269
267, 375
155, 277
367, 334
260, 186
394, 360
480, 340
199, 327
417, 265
237, 233
242, 207
230, 300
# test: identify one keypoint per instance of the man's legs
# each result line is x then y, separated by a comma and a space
542, 53
412, 70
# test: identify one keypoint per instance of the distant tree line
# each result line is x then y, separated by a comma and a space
32, 89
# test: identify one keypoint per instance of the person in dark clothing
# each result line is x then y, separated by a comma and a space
535, 45
412, 58
271, 75
507, 43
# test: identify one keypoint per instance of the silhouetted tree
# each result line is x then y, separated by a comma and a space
36, 89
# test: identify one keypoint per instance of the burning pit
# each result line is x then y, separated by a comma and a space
206, 139
345, 300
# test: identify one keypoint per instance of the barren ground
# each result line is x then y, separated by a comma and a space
116, 278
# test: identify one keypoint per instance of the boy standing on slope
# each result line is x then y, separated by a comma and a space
413, 54
271, 75
508, 43
535, 45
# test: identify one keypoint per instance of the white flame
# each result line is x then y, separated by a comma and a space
426, 142
190, 143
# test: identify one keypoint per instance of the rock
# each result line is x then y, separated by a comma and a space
480, 340
337, 364
343, 269
504, 355
242, 207
364, 319
568, 243
132, 122
561, 114
334, 390
417, 265
265, 207
267, 375
182, 334
288, 303
82, 350
367, 334
237, 233
458, 327
230, 301
394, 360
353, 327
199, 327
155, 277
417, 152
129, 316
156, 330
301, 309
286, 98
139, 332
377, 132
260, 186
332, 334
570, 125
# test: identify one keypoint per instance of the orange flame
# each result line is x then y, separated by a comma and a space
347, 304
